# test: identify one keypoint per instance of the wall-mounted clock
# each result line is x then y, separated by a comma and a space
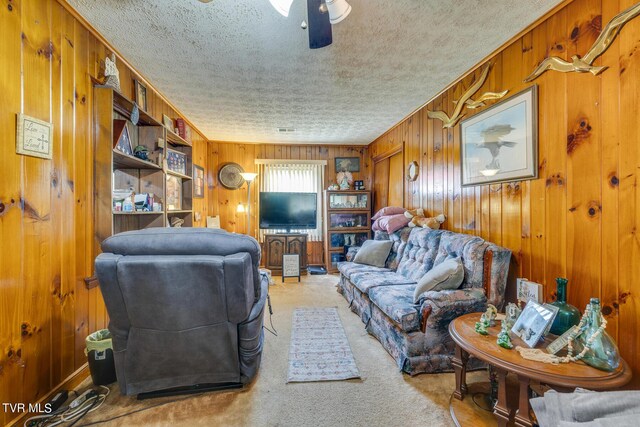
229, 176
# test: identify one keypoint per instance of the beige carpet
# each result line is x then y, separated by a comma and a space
383, 397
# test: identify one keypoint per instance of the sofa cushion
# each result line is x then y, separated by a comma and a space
373, 252
420, 253
390, 223
399, 239
367, 280
397, 303
447, 275
389, 210
471, 249
348, 268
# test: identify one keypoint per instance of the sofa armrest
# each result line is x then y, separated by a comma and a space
439, 308
351, 252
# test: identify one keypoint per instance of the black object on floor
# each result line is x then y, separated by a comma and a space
198, 388
316, 269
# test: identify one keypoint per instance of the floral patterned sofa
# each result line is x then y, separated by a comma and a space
417, 335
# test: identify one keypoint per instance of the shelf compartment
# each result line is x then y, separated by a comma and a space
124, 161
178, 174
174, 138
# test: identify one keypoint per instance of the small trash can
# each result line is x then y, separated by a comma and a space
100, 353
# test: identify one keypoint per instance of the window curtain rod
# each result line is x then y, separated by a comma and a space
289, 162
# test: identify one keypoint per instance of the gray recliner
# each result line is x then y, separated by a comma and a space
185, 306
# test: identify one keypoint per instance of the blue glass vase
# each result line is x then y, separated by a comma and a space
568, 316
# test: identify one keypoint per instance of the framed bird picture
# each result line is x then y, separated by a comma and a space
500, 144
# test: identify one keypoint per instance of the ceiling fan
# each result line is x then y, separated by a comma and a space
321, 14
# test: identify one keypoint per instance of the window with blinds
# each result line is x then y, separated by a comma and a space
293, 176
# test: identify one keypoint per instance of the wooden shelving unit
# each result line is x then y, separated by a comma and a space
117, 170
347, 222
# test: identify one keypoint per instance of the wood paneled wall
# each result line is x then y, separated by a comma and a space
224, 202
47, 60
581, 218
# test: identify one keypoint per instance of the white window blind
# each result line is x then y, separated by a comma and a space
307, 177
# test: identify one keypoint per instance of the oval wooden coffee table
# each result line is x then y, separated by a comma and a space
563, 377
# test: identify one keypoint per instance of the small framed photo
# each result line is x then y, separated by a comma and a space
198, 182
534, 322
174, 193
500, 144
167, 122
141, 95
34, 137
358, 185
347, 164
176, 161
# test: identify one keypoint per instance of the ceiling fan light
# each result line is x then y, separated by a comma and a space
338, 10
282, 6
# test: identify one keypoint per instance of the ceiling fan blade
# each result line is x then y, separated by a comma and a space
319, 25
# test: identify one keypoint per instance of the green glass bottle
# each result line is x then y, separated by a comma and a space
568, 315
603, 352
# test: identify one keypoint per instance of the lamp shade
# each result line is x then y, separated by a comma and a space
248, 176
338, 10
282, 6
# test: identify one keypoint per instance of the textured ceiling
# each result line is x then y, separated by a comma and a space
239, 70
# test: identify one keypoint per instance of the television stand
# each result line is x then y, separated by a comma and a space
276, 245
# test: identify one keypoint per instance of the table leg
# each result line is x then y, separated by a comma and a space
522, 418
501, 410
459, 362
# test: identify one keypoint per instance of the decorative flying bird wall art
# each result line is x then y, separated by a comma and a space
465, 100
585, 64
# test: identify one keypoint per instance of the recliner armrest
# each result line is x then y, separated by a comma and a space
239, 290
439, 308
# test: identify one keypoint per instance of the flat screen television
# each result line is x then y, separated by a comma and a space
288, 210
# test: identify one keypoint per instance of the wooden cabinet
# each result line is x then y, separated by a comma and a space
117, 168
347, 222
275, 245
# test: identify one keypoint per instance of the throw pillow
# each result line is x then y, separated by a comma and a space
389, 210
449, 274
373, 252
393, 223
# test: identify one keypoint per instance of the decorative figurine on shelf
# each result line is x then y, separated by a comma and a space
333, 187
511, 315
111, 73
487, 319
345, 179
176, 222
350, 239
141, 152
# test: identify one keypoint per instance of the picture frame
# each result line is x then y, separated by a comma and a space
140, 95
347, 164
534, 322
174, 193
176, 161
500, 144
290, 266
198, 182
34, 137
167, 122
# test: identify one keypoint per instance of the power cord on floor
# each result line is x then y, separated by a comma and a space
87, 402
274, 332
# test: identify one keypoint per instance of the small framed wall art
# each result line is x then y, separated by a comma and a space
198, 182
347, 164
500, 144
167, 122
34, 137
141, 95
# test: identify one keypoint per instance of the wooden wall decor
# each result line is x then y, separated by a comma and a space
33, 137
580, 218
49, 60
465, 100
584, 64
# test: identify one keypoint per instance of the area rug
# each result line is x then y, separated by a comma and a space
319, 348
